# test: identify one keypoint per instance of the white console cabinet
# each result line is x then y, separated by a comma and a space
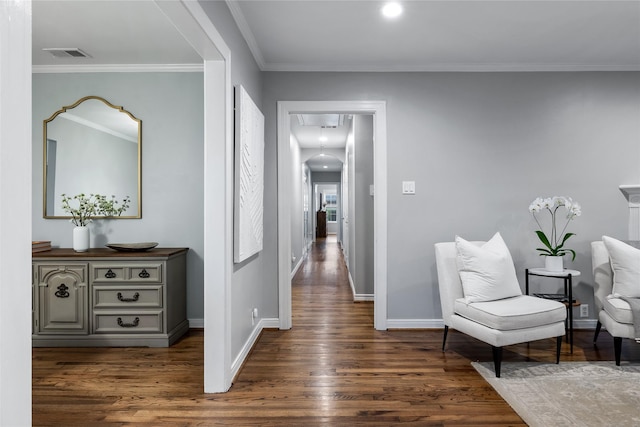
111, 299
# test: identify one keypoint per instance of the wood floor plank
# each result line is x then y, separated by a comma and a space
332, 368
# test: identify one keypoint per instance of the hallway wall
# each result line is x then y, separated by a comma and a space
481, 147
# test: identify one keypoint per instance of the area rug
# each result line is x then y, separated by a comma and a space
570, 393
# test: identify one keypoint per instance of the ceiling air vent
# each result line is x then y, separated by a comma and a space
66, 52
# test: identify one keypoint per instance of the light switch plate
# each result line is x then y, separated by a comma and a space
408, 187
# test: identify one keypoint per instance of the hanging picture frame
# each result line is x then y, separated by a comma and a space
249, 177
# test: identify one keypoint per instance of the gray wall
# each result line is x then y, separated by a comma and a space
296, 197
481, 147
254, 281
170, 106
361, 218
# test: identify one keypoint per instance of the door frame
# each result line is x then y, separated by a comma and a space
196, 27
379, 111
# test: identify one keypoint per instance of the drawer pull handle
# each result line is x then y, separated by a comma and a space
144, 274
133, 299
128, 325
62, 291
110, 274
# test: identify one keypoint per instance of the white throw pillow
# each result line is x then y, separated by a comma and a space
486, 272
625, 263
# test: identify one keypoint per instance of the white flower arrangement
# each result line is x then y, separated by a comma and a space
91, 206
554, 244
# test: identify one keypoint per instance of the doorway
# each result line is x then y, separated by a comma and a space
378, 110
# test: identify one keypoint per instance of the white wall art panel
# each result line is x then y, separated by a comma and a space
249, 177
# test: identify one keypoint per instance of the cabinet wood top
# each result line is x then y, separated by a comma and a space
108, 253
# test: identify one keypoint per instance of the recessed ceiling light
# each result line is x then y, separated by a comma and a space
392, 10
323, 139
325, 167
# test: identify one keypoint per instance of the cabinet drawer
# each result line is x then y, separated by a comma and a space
127, 296
113, 322
130, 272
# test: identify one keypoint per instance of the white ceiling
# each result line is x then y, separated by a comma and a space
111, 32
327, 35
442, 35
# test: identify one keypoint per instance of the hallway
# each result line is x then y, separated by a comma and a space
323, 281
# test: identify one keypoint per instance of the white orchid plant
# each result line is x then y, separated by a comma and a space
554, 243
91, 206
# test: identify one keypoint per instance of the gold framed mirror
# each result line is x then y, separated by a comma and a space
92, 147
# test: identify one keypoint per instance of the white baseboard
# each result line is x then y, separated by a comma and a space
297, 267
415, 324
196, 323
584, 323
358, 297
351, 284
396, 323
251, 341
439, 324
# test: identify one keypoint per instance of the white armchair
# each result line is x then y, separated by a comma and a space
613, 312
501, 322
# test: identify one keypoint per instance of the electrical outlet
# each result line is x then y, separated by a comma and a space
584, 310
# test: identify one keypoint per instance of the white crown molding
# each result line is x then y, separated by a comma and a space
120, 68
246, 32
298, 67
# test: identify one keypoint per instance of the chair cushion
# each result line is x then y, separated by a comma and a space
618, 309
486, 272
625, 263
519, 312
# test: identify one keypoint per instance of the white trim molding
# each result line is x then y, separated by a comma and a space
119, 68
632, 194
194, 24
439, 324
250, 342
298, 265
379, 111
415, 324
15, 227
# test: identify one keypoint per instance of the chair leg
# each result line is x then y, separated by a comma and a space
598, 327
558, 347
497, 359
444, 339
617, 348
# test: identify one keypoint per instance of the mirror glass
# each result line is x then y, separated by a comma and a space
92, 147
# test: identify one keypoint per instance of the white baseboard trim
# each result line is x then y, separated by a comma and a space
584, 323
363, 297
396, 323
270, 323
297, 267
439, 324
415, 324
351, 284
119, 68
251, 341
196, 323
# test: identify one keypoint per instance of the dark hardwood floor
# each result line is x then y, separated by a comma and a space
332, 368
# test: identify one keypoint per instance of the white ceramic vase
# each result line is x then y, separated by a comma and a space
553, 263
81, 239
